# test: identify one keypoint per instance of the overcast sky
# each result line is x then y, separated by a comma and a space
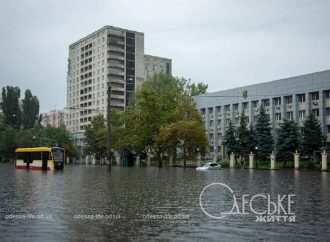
223, 43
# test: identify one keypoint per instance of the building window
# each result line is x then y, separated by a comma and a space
301, 114
328, 129
316, 112
211, 122
289, 115
265, 102
235, 107
301, 98
244, 106
277, 116
211, 136
327, 94
327, 112
254, 104
210, 110
288, 99
277, 101
315, 96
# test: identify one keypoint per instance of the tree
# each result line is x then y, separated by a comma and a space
30, 110
230, 142
189, 136
10, 106
198, 88
96, 137
7, 144
288, 140
252, 139
243, 137
312, 136
264, 138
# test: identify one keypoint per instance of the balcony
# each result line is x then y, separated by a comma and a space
116, 72
115, 41
116, 65
327, 102
116, 57
327, 120
116, 49
315, 103
301, 106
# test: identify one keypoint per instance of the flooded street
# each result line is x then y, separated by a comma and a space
148, 203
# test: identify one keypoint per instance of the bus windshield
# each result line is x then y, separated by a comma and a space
58, 154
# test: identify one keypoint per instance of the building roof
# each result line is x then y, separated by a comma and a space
281, 87
101, 30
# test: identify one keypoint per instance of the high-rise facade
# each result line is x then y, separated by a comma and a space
155, 65
53, 118
291, 98
109, 55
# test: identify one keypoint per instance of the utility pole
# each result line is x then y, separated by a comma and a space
109, 138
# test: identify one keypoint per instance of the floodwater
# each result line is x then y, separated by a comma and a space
87, 203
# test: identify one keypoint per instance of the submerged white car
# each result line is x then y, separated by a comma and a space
209, 166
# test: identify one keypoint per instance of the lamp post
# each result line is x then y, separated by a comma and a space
109, 136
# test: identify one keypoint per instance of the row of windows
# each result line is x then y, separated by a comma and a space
278, 116
301, 98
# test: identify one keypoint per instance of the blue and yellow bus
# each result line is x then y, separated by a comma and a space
40, 158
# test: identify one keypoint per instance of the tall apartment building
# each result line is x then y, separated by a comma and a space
53, 118
155, 64
291, 98
109, 55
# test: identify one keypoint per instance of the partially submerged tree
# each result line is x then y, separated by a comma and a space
288, 141
264, 138
230, 142
312, 136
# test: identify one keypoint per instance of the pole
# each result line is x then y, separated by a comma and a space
109, 138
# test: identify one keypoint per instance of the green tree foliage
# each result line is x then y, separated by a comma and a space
96, 137
189, 136
230, 142
312, 136
264, 138
244, 139
287, 140
11, 138
10, 106
11, 134
252, 139
7, 144
30, 110
160, 102
198, 88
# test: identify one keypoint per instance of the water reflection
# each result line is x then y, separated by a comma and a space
87, 203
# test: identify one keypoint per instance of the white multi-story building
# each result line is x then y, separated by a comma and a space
54, 118
291, 98
109, 55
155, 64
